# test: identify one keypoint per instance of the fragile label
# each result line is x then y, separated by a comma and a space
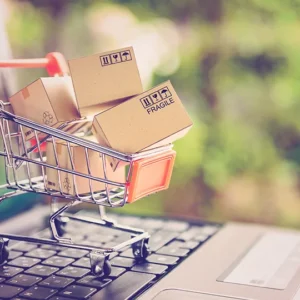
115, 58
157, 100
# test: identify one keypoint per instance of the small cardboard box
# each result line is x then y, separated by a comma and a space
105, 80
149, 120
47, 101
80, 165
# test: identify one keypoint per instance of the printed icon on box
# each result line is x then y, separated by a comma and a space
125, 56
165, 93
47, 118
105, 60
115, 58
67, 184
156, 97
146, 102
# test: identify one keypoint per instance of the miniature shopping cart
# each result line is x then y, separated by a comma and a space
25, 165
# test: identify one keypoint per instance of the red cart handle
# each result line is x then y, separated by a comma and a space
54, 62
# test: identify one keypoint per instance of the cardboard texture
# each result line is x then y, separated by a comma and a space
47, 101
80, 165
149, 120
104, 80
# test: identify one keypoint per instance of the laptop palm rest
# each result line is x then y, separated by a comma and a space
187, 295
241, 261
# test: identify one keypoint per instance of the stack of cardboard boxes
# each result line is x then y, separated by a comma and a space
108, 88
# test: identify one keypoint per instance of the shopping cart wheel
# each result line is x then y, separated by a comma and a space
100, 266
4, 252
141, 249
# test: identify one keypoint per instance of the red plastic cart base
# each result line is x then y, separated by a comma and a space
151, 175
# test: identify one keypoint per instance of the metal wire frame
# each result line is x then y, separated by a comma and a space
113, 195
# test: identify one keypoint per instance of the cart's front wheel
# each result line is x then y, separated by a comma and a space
4, 252
141, 250
103, 270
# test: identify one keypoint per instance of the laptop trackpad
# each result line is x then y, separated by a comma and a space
173, 294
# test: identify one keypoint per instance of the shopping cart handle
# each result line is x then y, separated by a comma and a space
54, 62
150, 175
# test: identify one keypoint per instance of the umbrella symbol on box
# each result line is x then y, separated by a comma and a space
47, 118
164, 92
125, 55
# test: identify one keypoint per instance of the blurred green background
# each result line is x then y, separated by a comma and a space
236, 67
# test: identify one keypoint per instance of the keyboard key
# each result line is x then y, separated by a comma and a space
24, 280
41, 270
53, 247
56, 282
100, 238
162, 259
209, 229
93, 243
73, 253
94, 281
46, 234
124, 286
83, 262
41, 253
122, 238
201, 237
150, 268
161, 238
8, 291
169, 250
111, 244
59, 298
38, 292
113, 255
177, 226
24, 262
153, 224
127, 253
58, 261
78, 292
185, 245
73, 272
123, 262
14, 254
116, 271
193, 233
2, 279
130, 221
24, 247
9, 271
103, 230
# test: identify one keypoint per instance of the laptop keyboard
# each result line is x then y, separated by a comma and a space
37, 271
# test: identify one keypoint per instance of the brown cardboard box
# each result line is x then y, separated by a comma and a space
105, 80
80, 165
151, 119
47, 101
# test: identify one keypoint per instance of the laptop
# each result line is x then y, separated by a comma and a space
190, 260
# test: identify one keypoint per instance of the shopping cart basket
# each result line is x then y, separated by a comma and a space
147, 172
